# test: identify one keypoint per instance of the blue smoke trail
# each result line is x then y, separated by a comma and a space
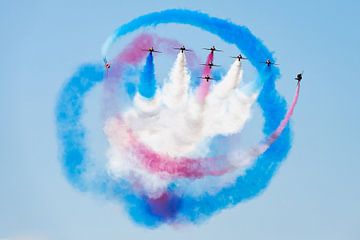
72, 137
147, 84
72, 134
229, 32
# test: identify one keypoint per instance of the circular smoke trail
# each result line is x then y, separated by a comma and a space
184, 199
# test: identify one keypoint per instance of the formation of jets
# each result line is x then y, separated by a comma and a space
213, 49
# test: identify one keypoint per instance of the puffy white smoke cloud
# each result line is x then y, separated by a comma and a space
175, 124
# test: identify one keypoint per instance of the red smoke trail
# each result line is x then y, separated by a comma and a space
285, 121
262, 147
191, 167
197, 168
205, 85
122, 136
175, 166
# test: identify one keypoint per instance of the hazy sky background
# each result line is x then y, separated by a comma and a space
316, 193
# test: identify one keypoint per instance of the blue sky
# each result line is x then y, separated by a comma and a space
315, 193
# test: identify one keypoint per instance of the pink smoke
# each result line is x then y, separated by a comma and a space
123, 137
285, 121
199, 167
179, 167
262, 147
205, 85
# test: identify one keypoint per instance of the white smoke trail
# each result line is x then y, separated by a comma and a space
175, 93
178, 119
227, 108
175, 124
